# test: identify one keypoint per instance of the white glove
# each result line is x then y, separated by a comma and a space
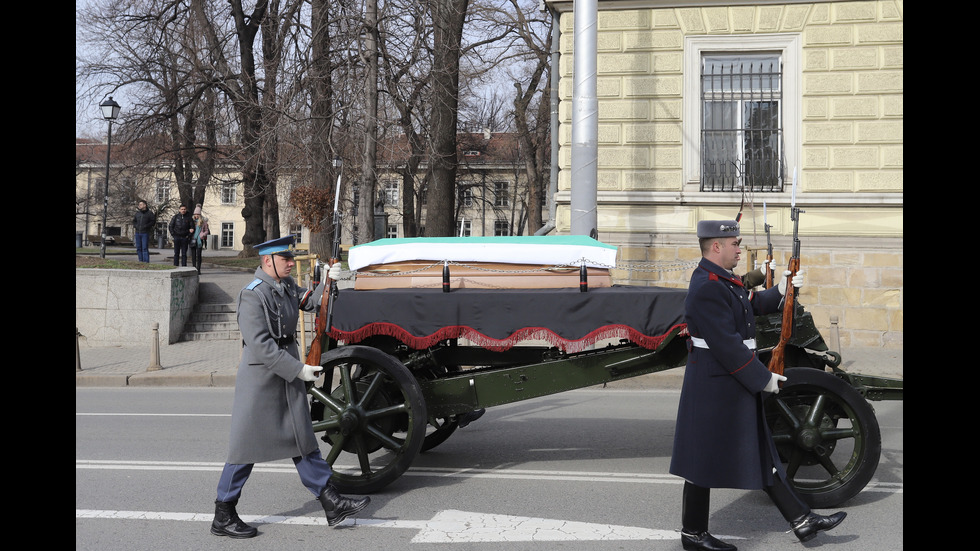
773, 385
334, 272
797, 281
310, 373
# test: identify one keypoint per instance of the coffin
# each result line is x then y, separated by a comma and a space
517, 262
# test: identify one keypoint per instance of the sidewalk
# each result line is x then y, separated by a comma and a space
215, 363
193, 363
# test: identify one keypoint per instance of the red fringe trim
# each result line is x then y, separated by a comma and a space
500, 345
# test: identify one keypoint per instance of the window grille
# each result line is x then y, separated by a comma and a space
741, 123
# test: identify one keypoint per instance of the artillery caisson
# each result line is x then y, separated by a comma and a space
412, 362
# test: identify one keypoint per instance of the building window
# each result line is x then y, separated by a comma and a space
464, 228
389, 193
742, 119
297, 230
391, 231
741, 134
227, 234
228, 194
466, 196
501, 191
501, 227
162, 191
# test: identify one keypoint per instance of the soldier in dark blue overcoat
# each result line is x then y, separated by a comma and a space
721, 438
270, 417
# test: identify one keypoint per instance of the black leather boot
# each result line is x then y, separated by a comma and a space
807, 526
338, 507
227, 523
703, 541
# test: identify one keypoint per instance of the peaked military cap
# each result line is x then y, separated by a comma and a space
282, 246
710, 229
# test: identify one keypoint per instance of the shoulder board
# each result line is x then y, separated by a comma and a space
254, 283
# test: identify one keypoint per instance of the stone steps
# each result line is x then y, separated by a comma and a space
211, 321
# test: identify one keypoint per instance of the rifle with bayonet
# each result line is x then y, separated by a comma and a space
324, 317
768, 268
777, 360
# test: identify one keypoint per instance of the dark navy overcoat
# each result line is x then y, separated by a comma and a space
721, 439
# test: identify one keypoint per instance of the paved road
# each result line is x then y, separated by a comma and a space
584, 470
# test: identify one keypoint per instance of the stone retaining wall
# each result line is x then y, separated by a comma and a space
119, 307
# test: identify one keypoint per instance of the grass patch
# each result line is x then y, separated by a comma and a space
123, 259
95, 261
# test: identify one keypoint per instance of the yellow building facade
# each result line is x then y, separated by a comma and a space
842, 136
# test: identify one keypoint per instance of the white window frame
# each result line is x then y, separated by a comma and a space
501, 193
790, 46
162, 192
501, 228
389, 190
229, 193
227, 235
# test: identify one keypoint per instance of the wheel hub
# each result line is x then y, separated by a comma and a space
808, 439
350, 420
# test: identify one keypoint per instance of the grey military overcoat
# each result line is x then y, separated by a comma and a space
270, 417
721, 439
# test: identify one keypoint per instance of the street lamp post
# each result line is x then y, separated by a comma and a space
110, 110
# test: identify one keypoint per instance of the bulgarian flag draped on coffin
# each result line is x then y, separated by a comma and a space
413, 308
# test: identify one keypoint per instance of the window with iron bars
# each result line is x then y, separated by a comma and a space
741, 122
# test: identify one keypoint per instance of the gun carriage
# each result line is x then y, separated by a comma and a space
404, 365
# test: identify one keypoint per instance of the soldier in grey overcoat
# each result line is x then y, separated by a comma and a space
270, 417
721, 438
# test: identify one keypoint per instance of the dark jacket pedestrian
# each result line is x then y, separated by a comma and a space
181, 229
143, 222
721, 439
144, 219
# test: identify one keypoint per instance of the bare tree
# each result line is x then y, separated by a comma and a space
533, 129
406, 60
168, 94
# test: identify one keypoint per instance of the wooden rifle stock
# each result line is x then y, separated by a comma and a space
767, 227
769, 271
319, 329
777, 360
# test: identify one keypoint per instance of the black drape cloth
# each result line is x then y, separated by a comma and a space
497, 319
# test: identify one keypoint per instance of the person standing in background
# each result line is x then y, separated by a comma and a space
143, 222
199, 239
181, 227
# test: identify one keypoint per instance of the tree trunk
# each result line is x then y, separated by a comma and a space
369, 182
447, 18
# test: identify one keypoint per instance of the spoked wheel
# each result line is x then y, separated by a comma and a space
439, 428
826, 434
373, 423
